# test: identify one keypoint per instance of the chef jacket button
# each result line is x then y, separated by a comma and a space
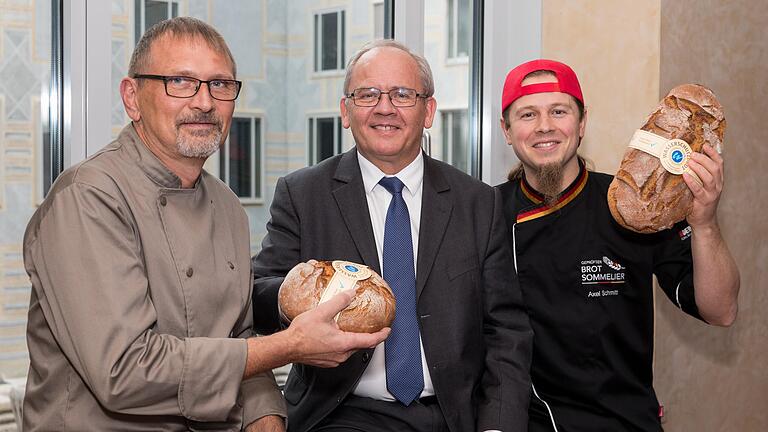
163, 201
190, 272
231, 266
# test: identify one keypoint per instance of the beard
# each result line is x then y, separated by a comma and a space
550, 178
200, 144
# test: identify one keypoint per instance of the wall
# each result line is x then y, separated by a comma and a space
614, 49
714, 379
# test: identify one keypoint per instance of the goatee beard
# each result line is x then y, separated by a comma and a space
202, 149
199, 146
550, 177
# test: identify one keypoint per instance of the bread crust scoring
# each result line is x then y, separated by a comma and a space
643, 196
372, 308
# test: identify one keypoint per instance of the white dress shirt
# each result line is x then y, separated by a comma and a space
373, 383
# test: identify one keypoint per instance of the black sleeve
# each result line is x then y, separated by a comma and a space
506, 383
673, 267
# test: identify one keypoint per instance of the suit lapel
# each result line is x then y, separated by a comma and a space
436, 209
350, 197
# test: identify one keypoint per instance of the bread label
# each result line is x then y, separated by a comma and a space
674, 156
346, 277
673, 153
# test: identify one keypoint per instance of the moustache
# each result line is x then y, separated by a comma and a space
200, 118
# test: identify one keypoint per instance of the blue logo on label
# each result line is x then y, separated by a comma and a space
351, 268
677, 156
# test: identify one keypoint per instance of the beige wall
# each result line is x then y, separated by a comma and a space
717, 379
614, 49
628, 54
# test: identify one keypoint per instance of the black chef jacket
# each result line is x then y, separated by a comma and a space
588, 287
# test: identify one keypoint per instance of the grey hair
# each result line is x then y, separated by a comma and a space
179, 27
425, 72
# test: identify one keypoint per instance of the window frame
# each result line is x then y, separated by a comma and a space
257, 148
376, 4
452, 36
451, 115
141, 18
317, 42
311, 135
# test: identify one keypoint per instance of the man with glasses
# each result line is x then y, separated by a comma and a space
459, 352
140, 314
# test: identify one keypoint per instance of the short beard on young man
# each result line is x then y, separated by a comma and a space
550, 179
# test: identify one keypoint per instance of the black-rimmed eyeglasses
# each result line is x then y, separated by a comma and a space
186, 87
400, 97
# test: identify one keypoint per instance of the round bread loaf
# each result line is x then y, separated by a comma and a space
372, 308
643, 196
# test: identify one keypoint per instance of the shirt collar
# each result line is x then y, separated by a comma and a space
540, 209
537, 198
149, 163
412, 175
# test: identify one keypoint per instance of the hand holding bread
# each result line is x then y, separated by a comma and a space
648, 194
706, 191
308, 284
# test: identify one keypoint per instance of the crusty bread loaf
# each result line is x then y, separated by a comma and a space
646, 198
372, 309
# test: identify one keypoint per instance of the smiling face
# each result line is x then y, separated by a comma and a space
388, 136
181, 128
545, 129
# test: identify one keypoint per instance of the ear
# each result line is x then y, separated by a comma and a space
505, 131
129, 92
431, 106
583, 124
344, 113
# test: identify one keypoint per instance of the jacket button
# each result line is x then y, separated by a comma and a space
366, 357
231, 266
190, 272
163, 201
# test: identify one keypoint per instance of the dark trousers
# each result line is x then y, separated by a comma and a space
361, 414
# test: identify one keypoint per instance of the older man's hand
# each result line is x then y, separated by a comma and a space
318, 340
313, 338
270, 423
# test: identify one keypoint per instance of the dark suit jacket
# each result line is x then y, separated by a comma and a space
476, 335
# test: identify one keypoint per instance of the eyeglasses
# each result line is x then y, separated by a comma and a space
186, 87
400, 97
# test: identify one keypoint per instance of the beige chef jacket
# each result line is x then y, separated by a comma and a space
141, 295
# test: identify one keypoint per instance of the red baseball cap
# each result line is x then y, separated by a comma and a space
566, 81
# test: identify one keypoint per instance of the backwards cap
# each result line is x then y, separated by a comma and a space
566, 81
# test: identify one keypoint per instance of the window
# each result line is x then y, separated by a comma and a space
30, 157
448, 47
240, 158
151, 12
455, 133
324, 135
378, 20
329, 41
459, 24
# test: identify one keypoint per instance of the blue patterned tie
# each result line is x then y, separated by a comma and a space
401, 350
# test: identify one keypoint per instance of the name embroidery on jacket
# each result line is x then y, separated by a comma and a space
602, 276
